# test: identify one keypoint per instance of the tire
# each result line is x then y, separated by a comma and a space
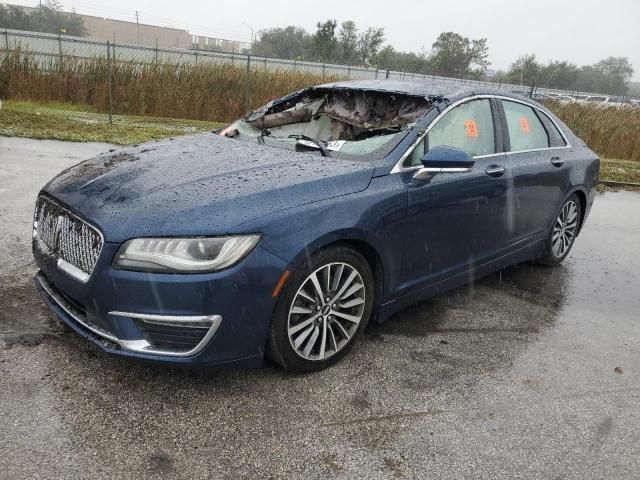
563, 232
301, 314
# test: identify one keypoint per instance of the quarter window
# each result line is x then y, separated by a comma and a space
468, 126
555, 137
526, 131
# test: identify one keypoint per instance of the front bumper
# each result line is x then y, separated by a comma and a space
232, 309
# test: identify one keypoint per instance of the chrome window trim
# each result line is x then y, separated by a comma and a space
398, 168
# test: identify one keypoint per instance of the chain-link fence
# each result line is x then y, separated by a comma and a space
46, 48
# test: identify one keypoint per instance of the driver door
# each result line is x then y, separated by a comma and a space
456, 221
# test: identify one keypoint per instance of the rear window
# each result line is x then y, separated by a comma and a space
526, 131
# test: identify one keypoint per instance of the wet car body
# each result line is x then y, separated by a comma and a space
419, 237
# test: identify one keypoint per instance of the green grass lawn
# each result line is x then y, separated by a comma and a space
75, 123
620, 170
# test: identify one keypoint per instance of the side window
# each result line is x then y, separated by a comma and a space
555, 137
525, 128
415, 158
468, 126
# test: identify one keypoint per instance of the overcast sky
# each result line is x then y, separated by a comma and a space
582, 31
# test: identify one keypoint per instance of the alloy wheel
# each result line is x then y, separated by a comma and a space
564, 229
326, 311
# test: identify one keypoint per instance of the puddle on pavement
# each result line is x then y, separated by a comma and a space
527, 285
443, 346
24, 319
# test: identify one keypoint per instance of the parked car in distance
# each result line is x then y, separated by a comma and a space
553, 97
543, 97
564, 99
286, 232
596, 99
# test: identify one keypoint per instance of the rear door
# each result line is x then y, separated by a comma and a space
538, 171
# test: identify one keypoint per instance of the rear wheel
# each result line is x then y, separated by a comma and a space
325, 305
564, 232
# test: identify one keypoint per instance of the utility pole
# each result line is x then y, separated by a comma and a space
250, 28
109, 86
138, 24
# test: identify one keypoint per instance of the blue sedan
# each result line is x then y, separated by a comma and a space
286, 232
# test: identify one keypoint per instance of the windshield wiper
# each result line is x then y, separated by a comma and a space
320, 144
263, 133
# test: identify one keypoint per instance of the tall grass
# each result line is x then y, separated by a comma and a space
215, 92
610, 132
200, 92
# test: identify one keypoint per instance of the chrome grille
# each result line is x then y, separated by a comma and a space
67, 236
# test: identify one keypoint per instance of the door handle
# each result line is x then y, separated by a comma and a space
557, 161
495, 171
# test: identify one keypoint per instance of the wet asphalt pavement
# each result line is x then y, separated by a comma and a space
531, 373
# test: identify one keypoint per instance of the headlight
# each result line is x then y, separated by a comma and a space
184, 255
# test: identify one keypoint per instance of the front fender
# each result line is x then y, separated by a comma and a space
375, 217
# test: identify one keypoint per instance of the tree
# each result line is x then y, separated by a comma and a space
348, 42
634, 89
616, 72
324, 41
456, 56
48, 19
54, 5
386, 58
589, 79
561, 75
610, 75
524, 70
289, 43
369, 43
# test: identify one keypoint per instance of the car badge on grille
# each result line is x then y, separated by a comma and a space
56, 235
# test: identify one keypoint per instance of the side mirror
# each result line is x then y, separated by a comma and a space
444, 159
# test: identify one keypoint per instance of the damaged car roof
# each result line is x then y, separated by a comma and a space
430, 89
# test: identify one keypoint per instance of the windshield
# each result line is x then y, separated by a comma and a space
337, 123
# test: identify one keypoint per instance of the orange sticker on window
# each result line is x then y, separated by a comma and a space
524, 124
471, 128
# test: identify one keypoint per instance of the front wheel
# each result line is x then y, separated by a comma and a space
325, 305
564, 231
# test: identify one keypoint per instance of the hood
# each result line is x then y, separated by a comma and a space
199, 185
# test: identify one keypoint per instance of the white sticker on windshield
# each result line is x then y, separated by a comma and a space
335, 145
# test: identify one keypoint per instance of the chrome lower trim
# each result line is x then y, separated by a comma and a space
72, 270
212, 322
171, 320
70, 310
